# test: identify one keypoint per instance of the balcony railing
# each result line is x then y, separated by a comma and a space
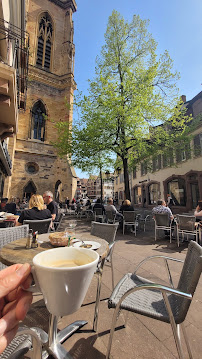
17, 56
5, 158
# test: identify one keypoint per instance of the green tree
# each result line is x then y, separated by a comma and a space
132, 110
85, 152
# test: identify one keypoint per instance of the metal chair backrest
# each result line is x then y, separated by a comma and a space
110, 216
104, 230
11, 234
58, 223
129, 216
98, 211
146, 213
162, 219
42, 226
186, 223
188, 281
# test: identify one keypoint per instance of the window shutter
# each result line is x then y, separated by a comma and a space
171, 158
188, 151
197, 146
154, 164
178, 155
159, 162
134, 173
165, 160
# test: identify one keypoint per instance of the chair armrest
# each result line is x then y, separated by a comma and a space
165, 258
36, 343
153, 286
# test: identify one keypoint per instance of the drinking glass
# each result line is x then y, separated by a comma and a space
70, 228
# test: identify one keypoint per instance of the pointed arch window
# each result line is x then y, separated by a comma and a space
45, 37
38, 121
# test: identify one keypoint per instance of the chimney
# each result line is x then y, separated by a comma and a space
183, 98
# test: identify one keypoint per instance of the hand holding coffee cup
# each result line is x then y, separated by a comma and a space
63, 275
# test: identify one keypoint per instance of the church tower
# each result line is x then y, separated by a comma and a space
36, 166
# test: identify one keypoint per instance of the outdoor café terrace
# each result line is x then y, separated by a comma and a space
142, 337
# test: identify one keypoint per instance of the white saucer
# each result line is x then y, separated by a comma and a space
94, 245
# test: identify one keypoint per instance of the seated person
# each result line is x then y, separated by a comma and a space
36, 210
126, 206
51, 205
112, 208
98, 204
3, 204
67, 202
161, 209
11, 206
79, 206
198, 212
88, 204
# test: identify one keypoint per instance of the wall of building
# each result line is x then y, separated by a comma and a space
54, 89
189, 171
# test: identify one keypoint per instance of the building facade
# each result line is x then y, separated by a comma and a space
36, 166
14, 43
178, 174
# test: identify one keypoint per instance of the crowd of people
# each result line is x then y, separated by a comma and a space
38, 208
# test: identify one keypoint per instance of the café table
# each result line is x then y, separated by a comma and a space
8, 220
15, 252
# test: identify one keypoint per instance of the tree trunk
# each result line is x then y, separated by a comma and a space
101, 186
126, 179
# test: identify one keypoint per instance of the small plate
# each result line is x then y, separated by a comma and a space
91, 244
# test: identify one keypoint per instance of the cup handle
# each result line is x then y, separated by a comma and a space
34, 287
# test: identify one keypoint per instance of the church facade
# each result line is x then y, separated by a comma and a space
36, 166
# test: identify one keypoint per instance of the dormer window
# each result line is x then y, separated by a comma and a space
44, 47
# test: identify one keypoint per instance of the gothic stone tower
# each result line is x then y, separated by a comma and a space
36, 167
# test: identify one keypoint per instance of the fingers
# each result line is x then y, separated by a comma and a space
13, 279
23, 305
9, 270
14, 312
13, 295
8, 321
7, 338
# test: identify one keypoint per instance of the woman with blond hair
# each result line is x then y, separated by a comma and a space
126, 206
36, 210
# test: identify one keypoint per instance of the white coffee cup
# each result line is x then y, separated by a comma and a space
64, 288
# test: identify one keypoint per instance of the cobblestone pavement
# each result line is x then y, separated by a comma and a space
143, 338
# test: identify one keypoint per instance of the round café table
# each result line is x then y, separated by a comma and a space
15, 252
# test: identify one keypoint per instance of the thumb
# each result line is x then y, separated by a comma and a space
13, 280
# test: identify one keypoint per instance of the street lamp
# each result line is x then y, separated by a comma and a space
108, 174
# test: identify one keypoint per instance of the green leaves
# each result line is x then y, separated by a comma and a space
133, 109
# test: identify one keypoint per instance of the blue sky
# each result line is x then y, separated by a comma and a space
175, 25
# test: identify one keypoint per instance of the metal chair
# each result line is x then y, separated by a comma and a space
42, 226
200, 233
110, 217
186, 225
162, 221
58, 223
98, 214
25, 340
167, 304
129, 219
11, 234
144, 218
107, 232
